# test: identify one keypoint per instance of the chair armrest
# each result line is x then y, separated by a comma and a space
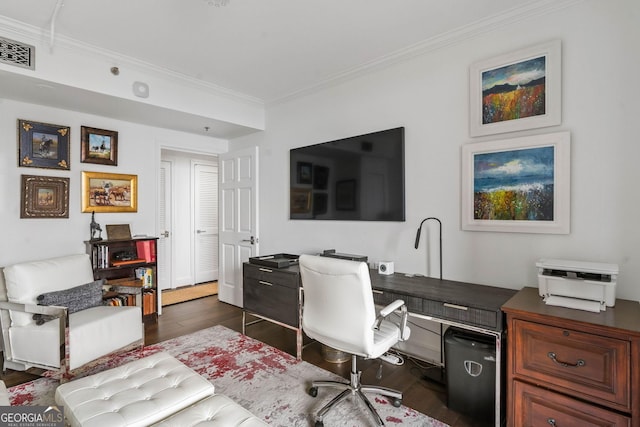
404, 317
49, 310
385, 311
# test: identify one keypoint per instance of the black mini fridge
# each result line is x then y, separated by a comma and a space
470, 365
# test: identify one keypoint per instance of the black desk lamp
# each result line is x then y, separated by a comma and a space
418, 238
441, 379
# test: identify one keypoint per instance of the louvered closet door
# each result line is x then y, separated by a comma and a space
205, 222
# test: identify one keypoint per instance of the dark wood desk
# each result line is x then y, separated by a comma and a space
464, 305
467, 305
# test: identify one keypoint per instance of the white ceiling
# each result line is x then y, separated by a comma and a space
267, 49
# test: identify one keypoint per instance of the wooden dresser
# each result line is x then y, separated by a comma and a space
570, 367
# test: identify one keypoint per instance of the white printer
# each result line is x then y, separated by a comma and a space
589, 286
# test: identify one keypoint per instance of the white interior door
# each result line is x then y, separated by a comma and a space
165, 257
238, 222
205, 222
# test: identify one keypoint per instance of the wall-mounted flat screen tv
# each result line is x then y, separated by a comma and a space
360, 178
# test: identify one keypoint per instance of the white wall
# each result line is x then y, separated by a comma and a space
429, 96
138, 153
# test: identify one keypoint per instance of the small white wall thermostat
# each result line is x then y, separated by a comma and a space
385, 267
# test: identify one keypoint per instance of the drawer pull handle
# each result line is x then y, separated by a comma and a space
551, 422
262, 282
579, 363
266, 270
457, 307
375, 291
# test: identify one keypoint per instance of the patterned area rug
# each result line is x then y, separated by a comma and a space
270, 383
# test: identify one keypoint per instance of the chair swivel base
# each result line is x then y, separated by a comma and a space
354, 387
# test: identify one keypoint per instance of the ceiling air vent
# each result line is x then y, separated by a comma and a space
16, 53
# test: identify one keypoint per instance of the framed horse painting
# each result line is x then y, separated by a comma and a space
43, 145
44, 197
99, 146
109, 192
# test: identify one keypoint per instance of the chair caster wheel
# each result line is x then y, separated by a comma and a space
319, 424
397, 403
313, 392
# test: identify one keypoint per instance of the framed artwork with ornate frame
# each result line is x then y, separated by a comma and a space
109, 192
516, 91
517, 185
43, 145
44, 197
99, 146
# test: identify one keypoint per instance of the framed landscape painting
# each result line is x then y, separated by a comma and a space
517, 91
517, 185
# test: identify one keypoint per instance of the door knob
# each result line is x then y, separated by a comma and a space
252, 240
200, 231
165, 234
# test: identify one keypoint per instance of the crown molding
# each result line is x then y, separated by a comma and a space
21, 32
458, 35
30, 34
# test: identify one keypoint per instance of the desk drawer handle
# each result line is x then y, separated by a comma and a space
457, 307
377, 292
262, 282
266, 270
579, 363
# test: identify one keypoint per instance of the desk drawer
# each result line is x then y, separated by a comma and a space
414, 305
595, 367
272, 300
438, 309
539, 407
272, 275
462, 314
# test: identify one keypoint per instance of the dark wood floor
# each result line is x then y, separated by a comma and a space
422, 395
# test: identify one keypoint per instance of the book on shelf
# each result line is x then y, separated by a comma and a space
146, 250
149, 302
121, 300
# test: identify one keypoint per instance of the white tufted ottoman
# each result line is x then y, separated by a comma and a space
215, 411
139, 393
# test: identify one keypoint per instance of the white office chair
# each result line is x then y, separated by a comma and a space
339, 312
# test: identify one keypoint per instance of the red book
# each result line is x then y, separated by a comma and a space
147, 250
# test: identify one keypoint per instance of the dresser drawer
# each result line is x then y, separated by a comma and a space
535, 406
272, 275
277, 302
591, 366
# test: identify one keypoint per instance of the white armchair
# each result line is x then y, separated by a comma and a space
61, 338
339, 311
